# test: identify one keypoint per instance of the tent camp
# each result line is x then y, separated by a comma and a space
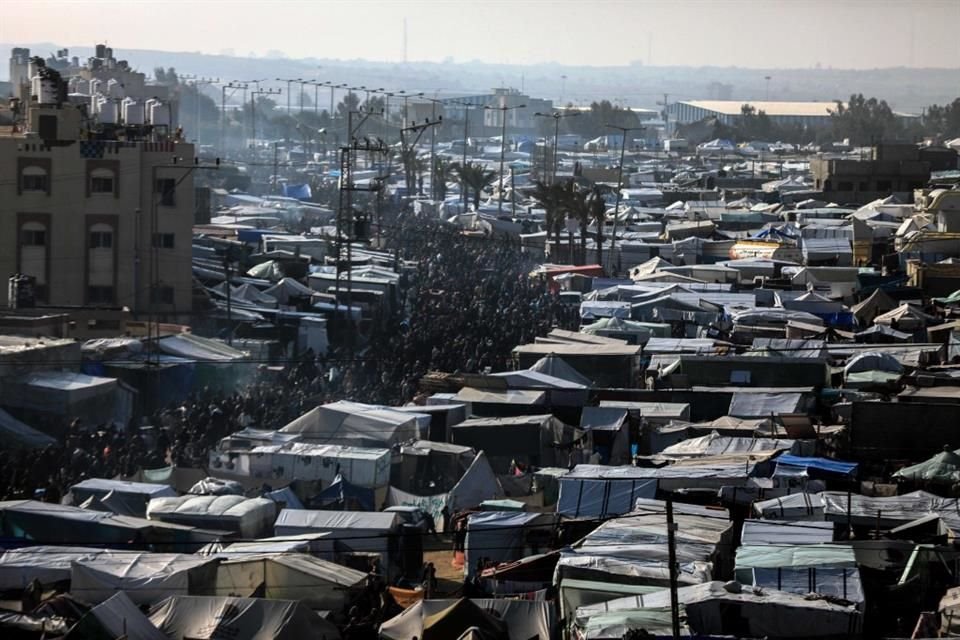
145, 577
247, 517
359, 425
118, 496
530, 439
211, 618
320, 584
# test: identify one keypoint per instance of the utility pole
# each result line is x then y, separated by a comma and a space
503, 142
223, 111
616, 208
276, 169
672, 560
556, 115
666, 114
466, 134
196, 83
408, 149
228, 285
253, 110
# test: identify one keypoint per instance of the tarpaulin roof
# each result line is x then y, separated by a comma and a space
17, 435
761, 405
145, 577
193, 347
355, 423
208, 618
941, 468
822, 465
116, 617
602, 418
782, 532
353, 520
558, 367
523, 618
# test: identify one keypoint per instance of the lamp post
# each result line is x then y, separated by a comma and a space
253, 110
256, 82
616, 208
557, 116
503, 142
223, 111
289, 81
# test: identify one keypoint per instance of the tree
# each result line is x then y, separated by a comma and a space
942, 123
443, 172
864, 121
476, 178
550, 197
598, 213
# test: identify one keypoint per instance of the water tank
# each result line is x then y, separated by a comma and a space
160, 114
33, 69
108, 111
108, 53
132, 111
95, 85
101, 51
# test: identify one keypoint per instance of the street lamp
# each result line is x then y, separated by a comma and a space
503, 141
557, 116
223, 111
289, 81
616, 208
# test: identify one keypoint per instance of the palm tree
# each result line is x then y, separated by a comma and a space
577, 201
550, 197
443, 172
476, 177
598, 213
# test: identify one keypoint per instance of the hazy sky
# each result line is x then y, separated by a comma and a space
746, 33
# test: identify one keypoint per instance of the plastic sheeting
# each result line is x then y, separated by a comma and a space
762, 405
826, 569
354, 423
210, 618
524, 618
502, 536
17, 435
784, 533
601, 491
818, 466
345, 495
250, 517
125, 498
319, 583
116, 617
943, 468
48, 564
192, 347
798, 506
145, 577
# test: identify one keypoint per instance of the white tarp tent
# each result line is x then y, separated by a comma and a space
361, 531
524, 618
145, 577
116, 617
249, 517
797, 506
48, 564
212, 618
320, 584
120, 496
502, 536
353, 423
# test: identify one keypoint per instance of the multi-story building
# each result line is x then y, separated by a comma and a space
97, 219
892, 169
507, 103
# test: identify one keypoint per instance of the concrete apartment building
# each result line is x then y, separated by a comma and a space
99, 218
892, 169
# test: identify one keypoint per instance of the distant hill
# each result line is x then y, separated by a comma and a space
908, 90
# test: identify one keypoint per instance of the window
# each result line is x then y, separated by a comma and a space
101, 239
33, 237
163, 241
167, 188
101, 181
34, 179
161, 295
99, 295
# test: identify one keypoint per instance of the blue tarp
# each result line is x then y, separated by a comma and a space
344, 495
298, 191
817, 465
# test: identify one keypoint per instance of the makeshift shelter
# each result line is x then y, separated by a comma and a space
463, 617
750, 404
145, 577
600, 491
609, 432
64, 393
825, 569
794, 507
877, 303
506, 536
359, 531
630, 330
523, 618
791, 466
783, 533
714, 444
360, 425
760, 613
247, 517
537, 440
48, 564
118, 496
943, 468
116, 617
344, 495
216, 487
906, 317
320, 584
211, 618
16, 435
287, 291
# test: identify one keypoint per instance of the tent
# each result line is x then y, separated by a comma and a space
357, 424
216, 487
558, 368
270, 270
342, 494
320, 584
825, 569
794, 507
145, 577
211, 618
609, 431
943, 468
17, 435
288, 289
505, 536
116, 617
600, 491
461, 617
361, 531
49, 523
48, 564
523, 618
789, 465
248, 517
762, 405
531, 439
876, 303
119, 496
193, 347
872, 361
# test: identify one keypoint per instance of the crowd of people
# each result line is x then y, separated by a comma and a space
464, 304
